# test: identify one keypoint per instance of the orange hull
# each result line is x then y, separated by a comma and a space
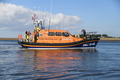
74, 45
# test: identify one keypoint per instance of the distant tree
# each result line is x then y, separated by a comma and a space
110, 37
105, 35
98, 35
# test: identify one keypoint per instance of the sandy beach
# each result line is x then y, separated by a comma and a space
109, 39
8, 38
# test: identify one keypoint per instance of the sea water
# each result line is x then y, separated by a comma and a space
101, 63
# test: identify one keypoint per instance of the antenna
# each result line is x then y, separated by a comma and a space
50, 13
44, 17
33, 18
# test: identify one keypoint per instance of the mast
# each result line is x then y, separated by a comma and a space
37, 23
49, 22
44, 17
50, 14
33, 18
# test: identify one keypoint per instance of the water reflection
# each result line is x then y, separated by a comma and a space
51, 58
53, 63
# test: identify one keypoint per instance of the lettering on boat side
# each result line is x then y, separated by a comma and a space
89, 44
66, 39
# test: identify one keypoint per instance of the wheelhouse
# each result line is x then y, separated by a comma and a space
55, 36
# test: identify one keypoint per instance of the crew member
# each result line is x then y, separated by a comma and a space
36, 35
27, 39
84, 33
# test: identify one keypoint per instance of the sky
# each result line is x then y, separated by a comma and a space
102, 16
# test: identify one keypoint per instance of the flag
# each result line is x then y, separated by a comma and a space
33, 18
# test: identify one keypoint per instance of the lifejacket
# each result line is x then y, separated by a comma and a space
27, 37
37, 28
36, 32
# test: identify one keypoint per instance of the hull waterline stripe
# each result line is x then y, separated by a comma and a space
63, 48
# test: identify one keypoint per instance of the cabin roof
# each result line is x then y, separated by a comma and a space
55, 30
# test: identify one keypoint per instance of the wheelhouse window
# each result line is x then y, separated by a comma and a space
65, 34
51, 34
58, 33
40, 34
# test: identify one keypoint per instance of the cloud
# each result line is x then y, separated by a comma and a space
16, 17
2, 28
64, 19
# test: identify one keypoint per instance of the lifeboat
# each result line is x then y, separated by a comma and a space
55, 39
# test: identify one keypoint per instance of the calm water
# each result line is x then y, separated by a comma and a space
102, 63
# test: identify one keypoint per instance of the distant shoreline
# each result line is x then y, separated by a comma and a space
8, 38
101, 39
109, 39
